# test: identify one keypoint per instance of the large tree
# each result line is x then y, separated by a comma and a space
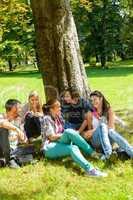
58, 49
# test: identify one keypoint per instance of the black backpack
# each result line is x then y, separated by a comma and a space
4, 147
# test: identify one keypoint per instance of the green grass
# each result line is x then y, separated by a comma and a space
18, 85
63, 180
116, 83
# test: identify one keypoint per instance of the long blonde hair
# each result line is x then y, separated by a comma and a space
39, 106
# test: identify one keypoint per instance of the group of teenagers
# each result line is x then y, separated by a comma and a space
69, 126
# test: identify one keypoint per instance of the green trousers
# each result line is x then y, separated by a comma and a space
68, 145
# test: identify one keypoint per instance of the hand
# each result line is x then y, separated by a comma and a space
88, 134
38, 114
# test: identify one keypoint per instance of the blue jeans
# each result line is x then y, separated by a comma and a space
121, 141
64, 147
100, 140
103, 138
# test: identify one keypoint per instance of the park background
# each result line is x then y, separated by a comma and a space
105, 32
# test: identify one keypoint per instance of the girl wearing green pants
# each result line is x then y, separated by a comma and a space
58, 142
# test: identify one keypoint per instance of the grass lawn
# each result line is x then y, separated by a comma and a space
63, 180
18, 85
116, 83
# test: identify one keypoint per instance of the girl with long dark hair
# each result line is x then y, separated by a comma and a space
57, 142
101, 127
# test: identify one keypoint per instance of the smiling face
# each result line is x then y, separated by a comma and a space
67, 97
96, 101
75, 100
56, 109
34, 101
16, 110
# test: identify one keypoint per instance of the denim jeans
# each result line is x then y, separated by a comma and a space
103, 138
100, 140
121, 141
65, 147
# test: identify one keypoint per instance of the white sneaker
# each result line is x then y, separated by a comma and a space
96, 173
103, 157
13, 164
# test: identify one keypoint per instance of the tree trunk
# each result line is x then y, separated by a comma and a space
103, 60
58, 47
10, 65
26, 58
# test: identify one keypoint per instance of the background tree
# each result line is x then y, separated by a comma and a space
16, 32
102, 28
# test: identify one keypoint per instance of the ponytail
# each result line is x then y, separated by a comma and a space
45, 109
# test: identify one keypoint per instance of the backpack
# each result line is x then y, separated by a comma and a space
23, 154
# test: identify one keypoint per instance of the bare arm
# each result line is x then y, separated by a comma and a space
83, 126
54, 137
22, 136
89, 120
111, 118
8, 125
88, 134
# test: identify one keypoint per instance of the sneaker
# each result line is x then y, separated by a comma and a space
113, 157
95, 155
96, 173
103, 157
13, 164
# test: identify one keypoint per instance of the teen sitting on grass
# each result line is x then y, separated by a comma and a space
75, 109
102, 133
57, 142
11, 122
31, 113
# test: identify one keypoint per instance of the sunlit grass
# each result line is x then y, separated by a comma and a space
63, 180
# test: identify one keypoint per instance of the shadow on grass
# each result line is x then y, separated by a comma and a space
6, 196
112, 72
18, 196
66, 162
25, 74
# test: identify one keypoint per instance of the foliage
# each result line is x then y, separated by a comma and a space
103, 27
16, 31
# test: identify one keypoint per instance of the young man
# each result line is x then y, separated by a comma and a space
10, 122
75, 109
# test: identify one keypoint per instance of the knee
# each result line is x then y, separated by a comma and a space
70, 131
103, 125
111, 132
74, 148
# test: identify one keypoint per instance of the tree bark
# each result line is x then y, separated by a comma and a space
10, 65
58, 47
